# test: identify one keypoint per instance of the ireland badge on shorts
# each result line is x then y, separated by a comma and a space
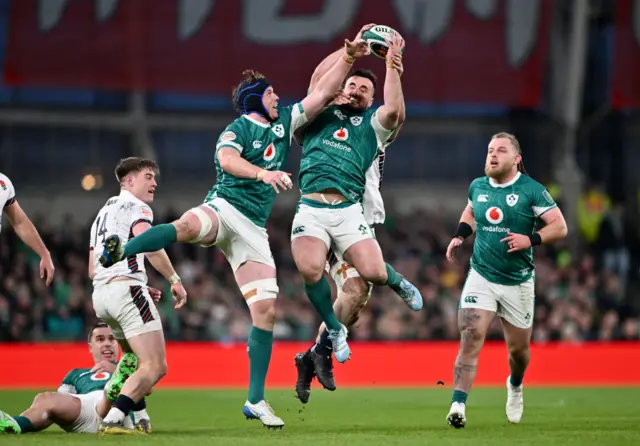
512, 199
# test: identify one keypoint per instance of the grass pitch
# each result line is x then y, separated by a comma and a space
364, 417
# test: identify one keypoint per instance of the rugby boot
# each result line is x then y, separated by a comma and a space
113, 251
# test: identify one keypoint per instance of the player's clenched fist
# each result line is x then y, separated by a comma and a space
277, 179
455, 242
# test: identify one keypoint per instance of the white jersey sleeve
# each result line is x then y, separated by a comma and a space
372, 202
118, 217
382, 135
298, 118
7, 194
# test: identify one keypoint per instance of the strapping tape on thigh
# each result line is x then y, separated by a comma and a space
205, 223
260, 290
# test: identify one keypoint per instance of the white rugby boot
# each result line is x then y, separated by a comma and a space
456, 416
263, 412
515, 402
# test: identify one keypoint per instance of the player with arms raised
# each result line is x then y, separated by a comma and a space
339, 148
353, 292
23, 227
505, 209
120, 294
249, 157
81, 400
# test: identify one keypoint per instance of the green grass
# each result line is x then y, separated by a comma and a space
366, 417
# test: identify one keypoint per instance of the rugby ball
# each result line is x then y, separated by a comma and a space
375, 37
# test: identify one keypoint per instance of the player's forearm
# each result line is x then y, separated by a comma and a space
161, 263
554, 231
393, 97
331, 81
468, 218
29, 235
323, 67
237, 166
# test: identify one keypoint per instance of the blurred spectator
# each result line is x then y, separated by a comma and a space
577, 300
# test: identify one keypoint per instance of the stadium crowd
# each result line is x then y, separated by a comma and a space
588, 298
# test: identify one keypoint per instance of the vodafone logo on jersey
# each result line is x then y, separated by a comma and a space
494, 215
269, 152
341, 134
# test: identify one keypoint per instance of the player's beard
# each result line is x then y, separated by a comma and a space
497, 173
355, 106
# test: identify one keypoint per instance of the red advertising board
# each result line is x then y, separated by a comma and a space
393, 364
626, 55
473, 52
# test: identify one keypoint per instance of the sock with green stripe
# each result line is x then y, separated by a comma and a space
459, 397
394, 279
320, 296
259, 349
151, 240
24, 423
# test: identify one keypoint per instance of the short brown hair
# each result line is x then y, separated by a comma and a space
516, 145
134, 164
99, 324
367, 74
248, 77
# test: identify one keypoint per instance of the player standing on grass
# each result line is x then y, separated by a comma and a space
339, 147
81, 400
24, 228
249, 156
120, 294
504, 209
353, 292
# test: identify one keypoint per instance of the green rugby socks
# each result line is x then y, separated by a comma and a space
393, 278
320, 296
151, 240
260, 346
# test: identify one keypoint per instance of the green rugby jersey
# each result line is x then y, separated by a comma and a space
263, 145
339, 147
83, 381
515, 207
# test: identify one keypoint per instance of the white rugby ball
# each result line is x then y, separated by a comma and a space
375, 38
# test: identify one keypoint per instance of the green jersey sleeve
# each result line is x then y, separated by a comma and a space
68, 383
541, 200
233, 136
472, 188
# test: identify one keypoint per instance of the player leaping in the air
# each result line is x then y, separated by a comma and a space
339, 147
23, 227
81, 400
249, 158
506, 209
353, 292
120, 294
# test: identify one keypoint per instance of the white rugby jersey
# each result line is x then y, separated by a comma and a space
372, 200
118, 216
7, 194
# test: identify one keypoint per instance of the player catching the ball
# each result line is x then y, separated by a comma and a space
505, 209
339, 148
249, 158
81, 400
353, 292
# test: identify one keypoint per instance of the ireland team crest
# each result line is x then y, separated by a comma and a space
512, 199
278, 130
356, 120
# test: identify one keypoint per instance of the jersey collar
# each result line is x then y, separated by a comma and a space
261, 124
128, 195
510, 183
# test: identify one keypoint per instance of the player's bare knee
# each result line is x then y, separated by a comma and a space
472, 331
198, 225
311, 271
519, 353
373, 272
44, 400
187, 227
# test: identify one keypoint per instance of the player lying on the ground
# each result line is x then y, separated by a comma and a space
353, 292
249, 157
506, 209
23, 227
81, 401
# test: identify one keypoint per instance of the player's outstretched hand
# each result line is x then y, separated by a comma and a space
156, 295
277, 179
395, 46
363, 29
455, 242
179, 294
517, 242
357, 48
47, 269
